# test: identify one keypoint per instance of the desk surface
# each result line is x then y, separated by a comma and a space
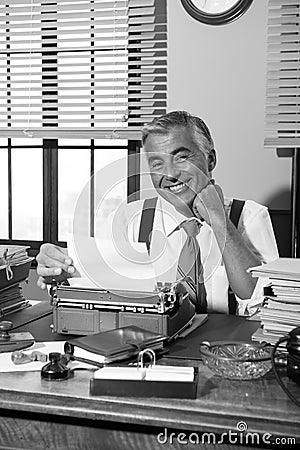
219, 406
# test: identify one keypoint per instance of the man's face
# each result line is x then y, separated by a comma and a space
178, 165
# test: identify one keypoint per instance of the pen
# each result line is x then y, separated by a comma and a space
68, 357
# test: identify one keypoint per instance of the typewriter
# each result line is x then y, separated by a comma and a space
83, 311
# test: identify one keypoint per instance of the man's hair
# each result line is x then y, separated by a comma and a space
174, 119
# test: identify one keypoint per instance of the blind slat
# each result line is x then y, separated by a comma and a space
68, 96
282, 142
73, 133
281, 109
284, 91
283, 47
284, 82
282, 74
283, 100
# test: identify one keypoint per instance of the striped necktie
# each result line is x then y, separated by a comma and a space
190, 266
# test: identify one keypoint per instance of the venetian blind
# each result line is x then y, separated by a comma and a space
86, 68
283, 75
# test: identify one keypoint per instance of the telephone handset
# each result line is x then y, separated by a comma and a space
292, 340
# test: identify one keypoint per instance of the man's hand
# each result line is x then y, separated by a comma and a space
237, 257
52, 262
209, 204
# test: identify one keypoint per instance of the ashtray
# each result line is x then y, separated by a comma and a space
237, 360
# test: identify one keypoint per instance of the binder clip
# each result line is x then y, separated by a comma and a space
140, 361
10, 342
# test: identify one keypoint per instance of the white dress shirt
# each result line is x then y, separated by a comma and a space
166, 244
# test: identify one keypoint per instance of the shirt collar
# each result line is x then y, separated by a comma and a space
171, 217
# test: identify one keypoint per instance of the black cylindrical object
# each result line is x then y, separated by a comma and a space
55, 369
293, 361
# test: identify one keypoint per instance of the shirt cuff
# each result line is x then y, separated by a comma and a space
247, 307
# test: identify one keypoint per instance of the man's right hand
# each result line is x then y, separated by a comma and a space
53, 261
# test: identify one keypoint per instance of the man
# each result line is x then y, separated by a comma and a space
181, 158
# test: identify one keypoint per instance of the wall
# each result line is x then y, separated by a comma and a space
219, 74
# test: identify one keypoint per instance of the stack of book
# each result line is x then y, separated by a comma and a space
280, 312
14, 268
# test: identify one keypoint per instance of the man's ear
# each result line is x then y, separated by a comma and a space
212, 160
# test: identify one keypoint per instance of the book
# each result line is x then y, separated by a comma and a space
276, 282
279, 327
14, 265
13, 254
280, 316
260, 335
280, 312
114, 345
14, 268
280, 268
285, 299
274, 304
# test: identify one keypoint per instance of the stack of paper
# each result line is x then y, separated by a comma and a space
280, 312
12, 300
152, 373
14, 268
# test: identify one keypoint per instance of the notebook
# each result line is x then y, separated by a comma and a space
114, 345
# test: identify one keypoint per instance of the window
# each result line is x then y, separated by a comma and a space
85, 163
77, 82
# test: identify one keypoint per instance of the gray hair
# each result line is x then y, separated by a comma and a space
164, 124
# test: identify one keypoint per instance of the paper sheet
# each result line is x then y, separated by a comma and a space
112, 265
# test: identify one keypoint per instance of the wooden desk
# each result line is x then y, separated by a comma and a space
40, 414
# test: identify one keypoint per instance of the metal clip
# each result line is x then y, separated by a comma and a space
140, 361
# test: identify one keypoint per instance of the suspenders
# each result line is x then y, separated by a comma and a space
146, 226
234, 215
147, 219
236, 211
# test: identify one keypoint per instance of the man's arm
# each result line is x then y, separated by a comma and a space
237, 256
53, 261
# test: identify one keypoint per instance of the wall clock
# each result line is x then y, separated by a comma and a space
216, 12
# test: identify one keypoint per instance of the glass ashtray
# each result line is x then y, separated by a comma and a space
237, 360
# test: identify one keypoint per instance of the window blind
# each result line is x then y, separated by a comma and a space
84, 68
283, 75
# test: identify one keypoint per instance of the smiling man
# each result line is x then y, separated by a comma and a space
188, 224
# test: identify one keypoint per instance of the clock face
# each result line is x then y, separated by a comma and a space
216, 12
214, 6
